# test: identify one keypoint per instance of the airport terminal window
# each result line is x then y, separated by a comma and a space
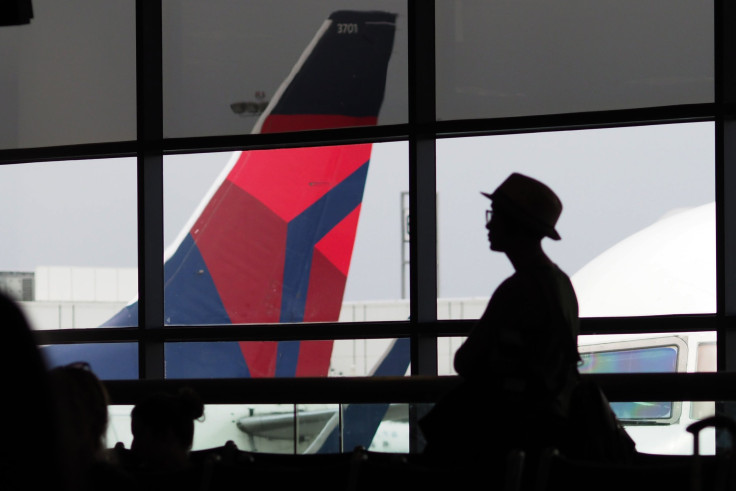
270, 428
69, 76
500, 59
624, 167
219, 77
69, 230
294, 358
638, 238
307, 234
109, 361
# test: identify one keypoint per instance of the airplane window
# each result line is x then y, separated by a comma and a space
630, 411
657, 427
661, 359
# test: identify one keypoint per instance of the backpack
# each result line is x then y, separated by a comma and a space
595, 431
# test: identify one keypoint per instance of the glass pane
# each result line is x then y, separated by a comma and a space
241, 67
340, 358
264, 428
284, 235
72, 260
509, 58
109, 361
657, 427
118, 426
707, 362
384, 427
223, 422
642, 353
446, 348
69, 76
269, 428
672, 438
638, 219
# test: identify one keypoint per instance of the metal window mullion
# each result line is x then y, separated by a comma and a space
149, 86
725, 96
422, 200
422, 185
725, 135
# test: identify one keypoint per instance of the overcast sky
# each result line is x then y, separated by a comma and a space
612, 183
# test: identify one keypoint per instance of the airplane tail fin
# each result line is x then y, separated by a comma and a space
273, 239
340, 78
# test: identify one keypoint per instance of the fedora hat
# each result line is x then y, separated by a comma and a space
530, 201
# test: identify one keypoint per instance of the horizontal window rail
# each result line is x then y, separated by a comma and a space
414, 389
365, 330
374, 134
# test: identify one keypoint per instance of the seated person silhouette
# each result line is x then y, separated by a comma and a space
81, 402
163, 430
32, 452
519, 364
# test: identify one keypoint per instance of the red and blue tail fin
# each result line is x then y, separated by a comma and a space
273, 239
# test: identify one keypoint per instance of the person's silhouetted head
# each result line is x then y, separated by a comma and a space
32, 448
163, 429
82, 402
522, 210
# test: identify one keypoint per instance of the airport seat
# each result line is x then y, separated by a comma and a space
399, 472
227, 453
647, 472
121, 456
194, 478
285, 472
290, 460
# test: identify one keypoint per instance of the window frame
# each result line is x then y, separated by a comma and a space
421, 132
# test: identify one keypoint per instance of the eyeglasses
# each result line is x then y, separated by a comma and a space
489, 215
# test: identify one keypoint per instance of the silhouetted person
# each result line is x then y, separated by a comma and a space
519, 363
81, 403
163, 430
30, 454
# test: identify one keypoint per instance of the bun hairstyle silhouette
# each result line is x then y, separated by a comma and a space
163, 430
163, 413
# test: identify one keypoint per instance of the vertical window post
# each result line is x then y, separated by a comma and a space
422, 197
150, 184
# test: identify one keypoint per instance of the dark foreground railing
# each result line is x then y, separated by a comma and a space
416, 389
